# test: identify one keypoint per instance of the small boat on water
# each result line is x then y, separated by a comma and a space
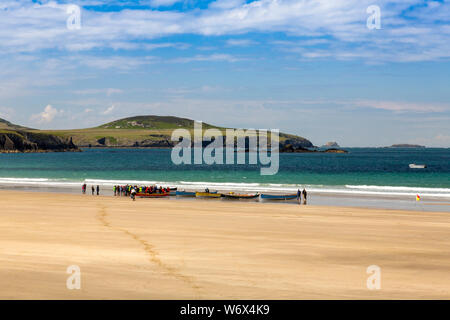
265, 196
233, 195
152, 195
208, 194
417, 166
185, 194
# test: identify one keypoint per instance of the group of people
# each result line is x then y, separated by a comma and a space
123, 190
127, 189
299, 196
93, 189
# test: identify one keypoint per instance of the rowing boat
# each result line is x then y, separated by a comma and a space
278, 196
185, 194
152, 195
240, 196
208, 195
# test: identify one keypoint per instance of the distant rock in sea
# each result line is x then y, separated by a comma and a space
292, 149
405, 145
331, 144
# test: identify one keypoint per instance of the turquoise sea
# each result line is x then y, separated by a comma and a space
370, 171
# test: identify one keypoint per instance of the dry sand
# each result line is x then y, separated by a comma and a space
215, 249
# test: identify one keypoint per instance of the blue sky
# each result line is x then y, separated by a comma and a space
308, 67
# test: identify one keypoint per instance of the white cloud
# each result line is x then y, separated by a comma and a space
176, 45
115, 62
109, 110
421, 34
240, 42
108, 91
212, 57
400, 106
46, 116
163, 3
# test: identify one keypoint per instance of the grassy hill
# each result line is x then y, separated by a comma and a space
6, 125
146, 131
154, 123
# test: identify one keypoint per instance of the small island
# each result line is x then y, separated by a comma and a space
331, 144
405, 145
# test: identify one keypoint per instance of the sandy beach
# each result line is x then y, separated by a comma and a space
213, 249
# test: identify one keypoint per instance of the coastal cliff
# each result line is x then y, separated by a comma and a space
133, 132
23, 141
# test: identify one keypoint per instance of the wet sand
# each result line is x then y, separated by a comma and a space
212, 249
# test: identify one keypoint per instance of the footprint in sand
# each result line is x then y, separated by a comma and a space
149, 250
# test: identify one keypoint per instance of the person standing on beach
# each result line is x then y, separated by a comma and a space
83, 188
98, 189
93, 189
299, 196
304, 195
133, 194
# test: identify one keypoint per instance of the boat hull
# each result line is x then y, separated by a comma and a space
152, 195
208, 195
240, 196
278, 196
185, 194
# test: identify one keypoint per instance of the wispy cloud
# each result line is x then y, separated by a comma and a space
418, 34
109, 110
117, 62
212, 57
240, 42
108, 91
400, 106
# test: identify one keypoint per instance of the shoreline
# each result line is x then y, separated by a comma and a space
376, 201
210, 249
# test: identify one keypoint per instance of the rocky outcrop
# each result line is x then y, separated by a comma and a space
295, 141
292, 149
163, 143
331, 144
25, 141
333, 150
